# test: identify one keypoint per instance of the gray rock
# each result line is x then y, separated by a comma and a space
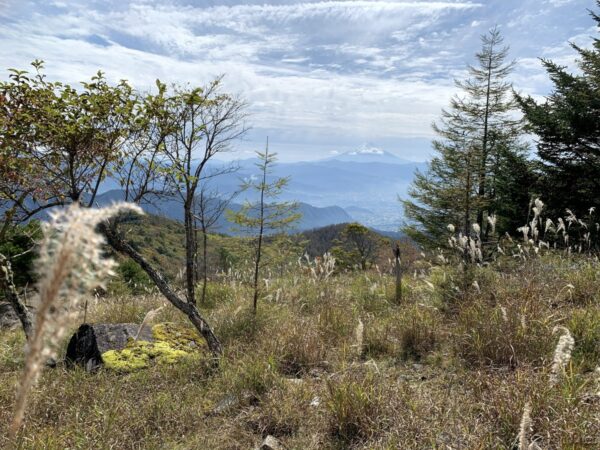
90, 341
270, 443
8, 317
227, 403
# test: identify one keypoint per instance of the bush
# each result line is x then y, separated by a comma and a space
251, 378
409, 334
298, 347
283, 411
17, 247
380, 338
418, 333
582, 284
216, 293
133, 276
242, 325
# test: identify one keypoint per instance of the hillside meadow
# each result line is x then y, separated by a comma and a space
331, 361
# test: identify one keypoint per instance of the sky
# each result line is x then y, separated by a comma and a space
319, 77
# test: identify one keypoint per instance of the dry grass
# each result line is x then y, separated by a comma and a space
428, 376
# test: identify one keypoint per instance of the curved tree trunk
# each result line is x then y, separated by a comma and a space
189, 309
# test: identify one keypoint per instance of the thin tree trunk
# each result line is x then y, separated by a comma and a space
256, 271
204, 264
189, 309
484, 145
7, 285
260, 231
190, 251
467, 218
398, 271
197, 255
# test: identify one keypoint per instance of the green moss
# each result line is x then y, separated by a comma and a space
126, 360
178, 336
172, 342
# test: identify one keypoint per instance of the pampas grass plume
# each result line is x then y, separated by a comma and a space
562, 354
70, 264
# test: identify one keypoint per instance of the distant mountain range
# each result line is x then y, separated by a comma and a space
364, 184
171, 208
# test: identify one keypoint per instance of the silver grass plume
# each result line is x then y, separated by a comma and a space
492, 220
525, 430
359, 336
149, 317
70, 264
562, 354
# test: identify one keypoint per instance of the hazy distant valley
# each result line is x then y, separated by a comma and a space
360, 185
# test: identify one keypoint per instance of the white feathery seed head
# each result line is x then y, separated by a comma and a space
492, 221
359, 336
149, 317
562, 353
525, 430
70, 264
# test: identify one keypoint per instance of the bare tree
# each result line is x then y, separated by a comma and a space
209, 207
206, 123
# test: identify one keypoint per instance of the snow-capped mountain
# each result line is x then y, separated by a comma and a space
368, 153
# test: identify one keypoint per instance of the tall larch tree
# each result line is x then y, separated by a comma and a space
466, 181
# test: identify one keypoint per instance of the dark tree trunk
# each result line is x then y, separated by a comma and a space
190, 252
189, 309
260, 235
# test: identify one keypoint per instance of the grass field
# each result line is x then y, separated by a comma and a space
445, 369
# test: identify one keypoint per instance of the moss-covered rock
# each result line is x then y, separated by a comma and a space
171, 343
178, 336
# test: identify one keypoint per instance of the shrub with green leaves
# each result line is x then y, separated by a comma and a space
19, 247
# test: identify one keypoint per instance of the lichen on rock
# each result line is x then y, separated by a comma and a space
171, 343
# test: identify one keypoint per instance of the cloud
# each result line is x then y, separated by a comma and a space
314, 73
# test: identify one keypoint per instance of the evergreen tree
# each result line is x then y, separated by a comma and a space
467, 181
567, 125
265, 215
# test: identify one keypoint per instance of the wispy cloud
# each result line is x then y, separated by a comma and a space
320, 74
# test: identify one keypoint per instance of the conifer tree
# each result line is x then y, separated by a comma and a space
264, 215
465, 181
567, 125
